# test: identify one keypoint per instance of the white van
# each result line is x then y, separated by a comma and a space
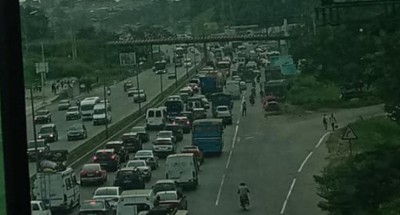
233, 88
182, 168
155, 118
135, 201
99, 114
87, 106
58, 190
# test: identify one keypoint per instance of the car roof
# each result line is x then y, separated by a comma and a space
164, 138
91, 164
48, 125
114, 142
127, 169
220, 106
71, 107
165, 181
107, 188
129, 134
105, 150
64, 100
165, 131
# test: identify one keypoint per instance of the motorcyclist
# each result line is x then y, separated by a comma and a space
243, 192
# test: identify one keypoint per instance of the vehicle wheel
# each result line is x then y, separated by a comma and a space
82, 184
68, 138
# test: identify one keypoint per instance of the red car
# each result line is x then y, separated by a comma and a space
93, 173
195, 150
184, 122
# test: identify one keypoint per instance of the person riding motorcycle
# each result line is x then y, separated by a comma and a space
243, 192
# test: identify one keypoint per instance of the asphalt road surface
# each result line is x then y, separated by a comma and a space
121, 104
268, 154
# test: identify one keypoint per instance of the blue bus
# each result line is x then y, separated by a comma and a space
207, 135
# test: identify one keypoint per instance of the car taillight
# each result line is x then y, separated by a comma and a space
95, 158
83, 172
114, 157
188, 122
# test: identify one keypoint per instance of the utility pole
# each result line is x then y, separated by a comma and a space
186, 66
43, 73
34, 132
138, 87
105, 104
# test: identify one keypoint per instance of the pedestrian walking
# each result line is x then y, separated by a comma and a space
325, 121
332, 121
244, 108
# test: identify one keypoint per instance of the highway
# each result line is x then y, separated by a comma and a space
122, 106
208, 183
268, 154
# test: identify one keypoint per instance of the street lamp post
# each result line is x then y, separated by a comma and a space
105, 105
34, 132
138, 86
161, 84
176, 76
187, 68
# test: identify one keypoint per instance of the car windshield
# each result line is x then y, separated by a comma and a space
163, 142
46, 130
164, 134
91, 167
40, 143
86, 107
164, 187
41, 112
135, 164
106, 192
35, 207
143, 154
76, 127
138, 130
92, 205
73, 109
222, 109
99, 111
114, 146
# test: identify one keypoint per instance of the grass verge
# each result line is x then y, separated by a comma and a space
309, 94
371, 134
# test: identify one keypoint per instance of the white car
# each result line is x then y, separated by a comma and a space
166, 134
73, 113
142, 166
148, 156
224, 113
164, 147
39, 208
110, 194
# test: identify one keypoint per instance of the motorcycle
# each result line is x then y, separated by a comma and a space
244, 202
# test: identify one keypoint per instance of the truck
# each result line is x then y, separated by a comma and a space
277, 88
208, 85
272, 73
221, 99
58, 190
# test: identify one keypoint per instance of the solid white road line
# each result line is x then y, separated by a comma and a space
322, 139
229, 160
220, 189
235, 136
304, 162
288, 196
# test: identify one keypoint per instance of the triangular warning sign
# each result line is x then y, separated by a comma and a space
349, 134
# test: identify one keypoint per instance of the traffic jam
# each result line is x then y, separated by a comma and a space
122, 172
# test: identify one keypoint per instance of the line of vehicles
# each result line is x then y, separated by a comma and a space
187, 112
182, 113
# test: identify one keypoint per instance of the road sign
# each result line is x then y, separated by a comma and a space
42, 67
127, 59
349, 134
288, 69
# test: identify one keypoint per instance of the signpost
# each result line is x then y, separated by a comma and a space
42, 68
349, 135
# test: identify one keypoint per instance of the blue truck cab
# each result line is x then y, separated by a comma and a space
207, 134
